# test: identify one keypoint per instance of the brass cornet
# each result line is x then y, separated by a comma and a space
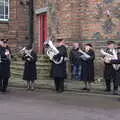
25, 52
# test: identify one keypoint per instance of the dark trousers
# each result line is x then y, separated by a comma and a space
3, 83
118, 77
112, 76
59, 84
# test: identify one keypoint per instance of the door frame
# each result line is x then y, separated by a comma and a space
42, 31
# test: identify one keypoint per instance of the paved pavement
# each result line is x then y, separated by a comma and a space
20, 104
70, 85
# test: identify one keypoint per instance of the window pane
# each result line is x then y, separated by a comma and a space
6, 16
1, 16
4, 9
1, 9
6, 2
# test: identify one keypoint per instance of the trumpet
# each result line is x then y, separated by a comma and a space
25, 52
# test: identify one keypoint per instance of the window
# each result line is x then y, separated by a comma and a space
4, 10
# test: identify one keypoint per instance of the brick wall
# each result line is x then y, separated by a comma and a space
74, 20
102, 21
16, 29
86, 20
93, 21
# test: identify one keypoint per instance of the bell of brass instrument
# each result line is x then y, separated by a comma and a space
84, 55
52, 51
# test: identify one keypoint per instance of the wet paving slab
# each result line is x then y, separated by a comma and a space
20, 104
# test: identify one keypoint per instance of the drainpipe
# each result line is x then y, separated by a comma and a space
31, 22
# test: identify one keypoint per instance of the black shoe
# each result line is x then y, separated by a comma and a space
85, 88
60, 91
115, 92
88, 90
4, 91
107, 90
1, 90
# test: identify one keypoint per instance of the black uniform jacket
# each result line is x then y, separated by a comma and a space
75, 57
4, 64
59, 70
109, 70
118, 60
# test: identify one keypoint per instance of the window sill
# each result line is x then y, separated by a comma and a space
4, 22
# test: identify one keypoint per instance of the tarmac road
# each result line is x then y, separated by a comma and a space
49, 105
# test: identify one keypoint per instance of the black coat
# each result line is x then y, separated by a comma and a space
59, 70
30, 72
4, 64
75, 57
109, 71
87, 72
118, 60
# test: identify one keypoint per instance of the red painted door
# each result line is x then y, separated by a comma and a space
43, 31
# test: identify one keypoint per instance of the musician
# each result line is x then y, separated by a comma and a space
118, 54
7, 47
117, 63
4, 66
109, 71
88, 67
59, 70
75, 61
30, 72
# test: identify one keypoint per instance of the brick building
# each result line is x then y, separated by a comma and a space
73, 20
14, 22
93, 21
77, 20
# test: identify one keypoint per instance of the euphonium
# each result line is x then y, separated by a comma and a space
84, 55
108, 57
52, 51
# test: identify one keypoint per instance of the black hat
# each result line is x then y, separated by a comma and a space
59, 40
29, 47
90, 45
118, 44
110, 42
4, 40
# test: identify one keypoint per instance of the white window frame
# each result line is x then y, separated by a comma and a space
4, 12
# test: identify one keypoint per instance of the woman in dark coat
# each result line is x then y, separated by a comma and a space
88, 67
59, 70
30, 73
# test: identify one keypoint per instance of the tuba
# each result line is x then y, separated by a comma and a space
52, 51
